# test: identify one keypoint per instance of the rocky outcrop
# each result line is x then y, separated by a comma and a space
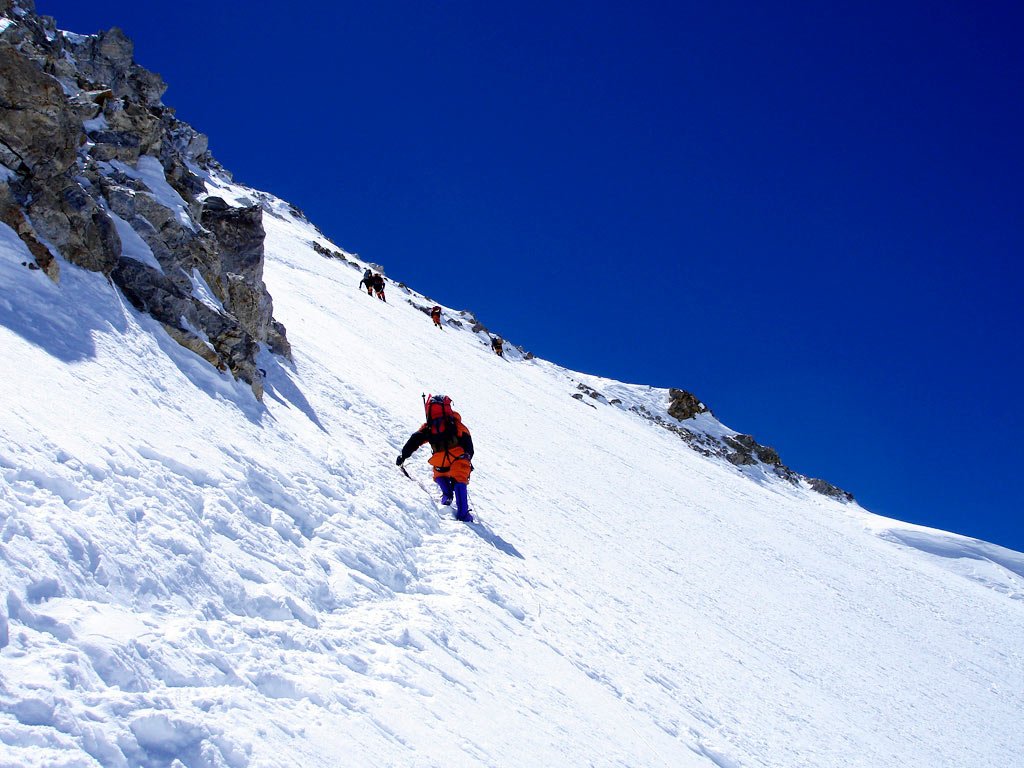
746, 450
40, 135
684, 405
742, 451
91, 156
108, 59
328, 253
827, 489
14, 217
590, 392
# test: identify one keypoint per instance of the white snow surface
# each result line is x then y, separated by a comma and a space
149, 171
202, 291
192, 578
132, 245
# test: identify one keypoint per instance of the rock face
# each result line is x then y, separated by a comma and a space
684, 405
89, 154
747, 451
826, 488
742, 451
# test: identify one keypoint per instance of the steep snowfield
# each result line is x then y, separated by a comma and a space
192, 578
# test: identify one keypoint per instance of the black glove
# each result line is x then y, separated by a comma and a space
399, 460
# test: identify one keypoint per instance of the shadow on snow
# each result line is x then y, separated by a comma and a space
494, 539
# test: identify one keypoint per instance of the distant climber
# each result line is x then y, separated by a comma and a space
498, 346
435, 315
378, 286
367, 281
452, 447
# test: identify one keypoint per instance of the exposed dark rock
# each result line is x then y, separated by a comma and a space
329, 254
700, 442
739, 450
746, 451
745, 443
739, 458
684, 405
107, 58
767, 455
239, 234
186, 184
151, 292
251, 306
69, 218
591, 393
12, 215
84, 132
827, 489
230, 347
787, 474
35, 122
277, 340
325, 251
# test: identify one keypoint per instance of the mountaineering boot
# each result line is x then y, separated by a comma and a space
462, 503
446, 490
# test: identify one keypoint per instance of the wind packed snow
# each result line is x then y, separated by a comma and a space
98, 123
202, 291
132, 244
193, 578
149, 171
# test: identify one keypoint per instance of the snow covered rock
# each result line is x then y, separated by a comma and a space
38, 129
684, 405
827, 489
746, 450
107, 58
98, 171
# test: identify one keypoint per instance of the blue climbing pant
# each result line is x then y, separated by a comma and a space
459, 491
446, 484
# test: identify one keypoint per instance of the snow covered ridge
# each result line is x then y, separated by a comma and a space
192, 577
96, 170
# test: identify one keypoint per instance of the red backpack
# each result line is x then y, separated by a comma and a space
440, 416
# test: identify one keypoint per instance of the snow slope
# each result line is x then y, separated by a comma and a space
192, 578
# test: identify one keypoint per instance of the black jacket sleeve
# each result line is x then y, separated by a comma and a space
466, 443
418, 438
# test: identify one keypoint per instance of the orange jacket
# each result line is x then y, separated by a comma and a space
452, 454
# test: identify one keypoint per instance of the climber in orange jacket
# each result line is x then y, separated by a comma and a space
452, 447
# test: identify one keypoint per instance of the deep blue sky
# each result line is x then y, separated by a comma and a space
810, 216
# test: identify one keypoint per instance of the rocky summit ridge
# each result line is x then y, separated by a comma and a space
95, 167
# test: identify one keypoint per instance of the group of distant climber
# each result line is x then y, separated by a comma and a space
374, 282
